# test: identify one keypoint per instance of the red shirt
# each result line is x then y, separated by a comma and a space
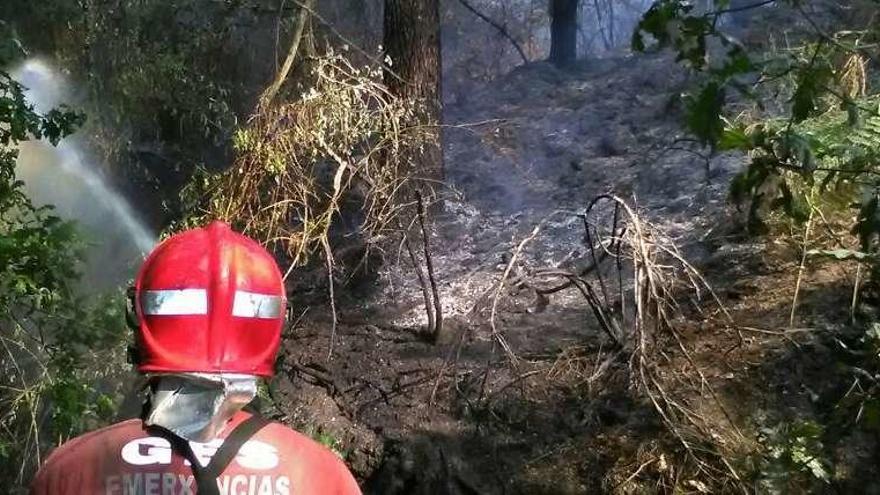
123, 459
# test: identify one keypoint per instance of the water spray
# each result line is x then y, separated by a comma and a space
66, 178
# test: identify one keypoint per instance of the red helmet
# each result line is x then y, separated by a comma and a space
209, 300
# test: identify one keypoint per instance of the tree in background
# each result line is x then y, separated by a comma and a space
412, 44
563, 31
605, 21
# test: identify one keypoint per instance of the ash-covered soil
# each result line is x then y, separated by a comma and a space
456, 417
537, 146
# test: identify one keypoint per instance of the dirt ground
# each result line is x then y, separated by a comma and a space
458, 417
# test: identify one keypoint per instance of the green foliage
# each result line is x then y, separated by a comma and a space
704, 113
38, 251
794, 457
825, 148
56, 350
160, 78
822, 153
812, 83
671, 24
815, 151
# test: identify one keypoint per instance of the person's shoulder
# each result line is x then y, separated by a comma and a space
79, 448
335, 475
78, 459
284, 435
301, 445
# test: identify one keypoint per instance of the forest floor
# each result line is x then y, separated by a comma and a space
537, 145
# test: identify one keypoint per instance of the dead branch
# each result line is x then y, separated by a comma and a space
298, 161
499, 338
651, 256
609, 325
298, 29
324, 379
501, 29
328, 258
451, 357
429, 308
641, 323
348, 42
429, 264
801, 268
496, 393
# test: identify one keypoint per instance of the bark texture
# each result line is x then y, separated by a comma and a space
563, 31
412, 41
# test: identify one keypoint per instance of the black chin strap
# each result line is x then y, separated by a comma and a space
206, 477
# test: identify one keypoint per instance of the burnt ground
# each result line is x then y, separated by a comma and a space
456, 417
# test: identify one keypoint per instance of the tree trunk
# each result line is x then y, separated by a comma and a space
563, 31
412, 41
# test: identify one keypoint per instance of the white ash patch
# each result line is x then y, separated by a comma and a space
556, 140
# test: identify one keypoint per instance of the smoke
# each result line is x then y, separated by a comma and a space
67, 178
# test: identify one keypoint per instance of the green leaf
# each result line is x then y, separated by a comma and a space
853, 116
812, 82
797, 205
734, 138
703, 115
737, 63
868, 224
871, 415
745, 184
668, 22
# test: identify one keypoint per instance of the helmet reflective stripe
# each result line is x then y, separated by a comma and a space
174, 302
252, 305
195, 302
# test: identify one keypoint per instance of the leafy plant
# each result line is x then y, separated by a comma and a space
299, 163
824, 144
809, 123
160, 78
56, 350
794, 457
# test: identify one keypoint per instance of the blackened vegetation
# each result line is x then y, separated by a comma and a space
457, 416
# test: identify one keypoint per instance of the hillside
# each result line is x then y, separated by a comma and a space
534, 148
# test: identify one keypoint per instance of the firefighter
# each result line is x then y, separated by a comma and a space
209, 306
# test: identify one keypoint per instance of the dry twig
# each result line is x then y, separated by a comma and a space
437, 325
642, 324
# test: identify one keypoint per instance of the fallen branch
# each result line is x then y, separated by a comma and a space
499, 338
322, 378
513, 382
801, 267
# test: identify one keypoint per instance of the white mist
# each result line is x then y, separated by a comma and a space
64, 176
